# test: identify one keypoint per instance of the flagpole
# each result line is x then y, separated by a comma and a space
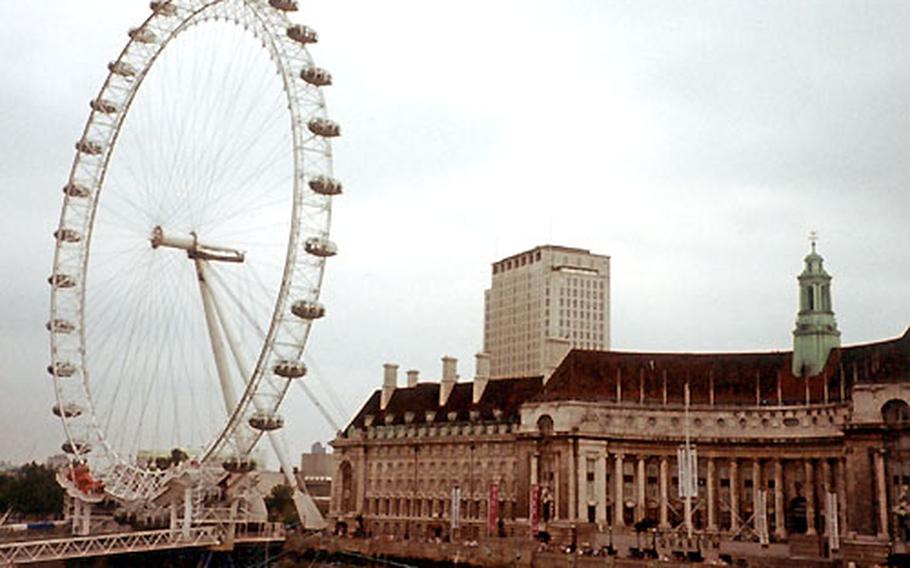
690, 477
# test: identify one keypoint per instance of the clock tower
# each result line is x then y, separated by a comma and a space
816, 331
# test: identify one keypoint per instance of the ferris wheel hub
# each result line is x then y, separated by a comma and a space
193, 247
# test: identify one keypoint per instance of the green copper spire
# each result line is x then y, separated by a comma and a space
816, 331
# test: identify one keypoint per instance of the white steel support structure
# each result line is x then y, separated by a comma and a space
309, 514
50, 550
202, 191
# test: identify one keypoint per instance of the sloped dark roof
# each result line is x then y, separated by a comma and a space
881, 362
737, 378
505, 395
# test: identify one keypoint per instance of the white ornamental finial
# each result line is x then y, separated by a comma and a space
813, 238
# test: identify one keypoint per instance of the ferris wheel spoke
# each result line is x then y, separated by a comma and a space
226, 160
122, 345
252, 178
326, 386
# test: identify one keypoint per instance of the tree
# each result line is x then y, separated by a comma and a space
175, 458
280, 503
33, 491
6, 483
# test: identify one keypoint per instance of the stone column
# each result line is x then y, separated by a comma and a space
756, 487
734, 495
780, 523
710, 495
826, 488
664, 479
641, 480
535, 465
581, 481
881, 491
618, 503
840, 481
600, 487
574, 488
809, 490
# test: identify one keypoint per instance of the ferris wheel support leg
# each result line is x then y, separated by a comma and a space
173, 516
187, 512
309, 514
82, 517
208, 304
76, 515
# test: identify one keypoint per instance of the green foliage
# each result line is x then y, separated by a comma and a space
6, 483
177, 456
31, 491
280, 503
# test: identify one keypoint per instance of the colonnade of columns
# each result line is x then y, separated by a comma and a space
729, 489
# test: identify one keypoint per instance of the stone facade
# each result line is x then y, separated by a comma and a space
596, 449
788, 463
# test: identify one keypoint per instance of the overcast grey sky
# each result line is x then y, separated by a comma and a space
697, 143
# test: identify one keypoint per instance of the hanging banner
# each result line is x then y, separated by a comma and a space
455, 518
687, 465
761, 517
493, 509
535, 509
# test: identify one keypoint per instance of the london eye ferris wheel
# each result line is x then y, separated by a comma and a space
192, 241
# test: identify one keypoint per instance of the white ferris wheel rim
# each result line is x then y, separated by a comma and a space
304, 262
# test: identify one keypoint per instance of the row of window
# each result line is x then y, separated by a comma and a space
432, 468
478, 479
435, 508
584, 304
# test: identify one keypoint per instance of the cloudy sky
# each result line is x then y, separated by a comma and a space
695, 143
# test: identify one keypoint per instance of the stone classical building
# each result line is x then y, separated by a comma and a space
799, 453
543, 302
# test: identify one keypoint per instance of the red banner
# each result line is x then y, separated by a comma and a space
535, 508
493, 509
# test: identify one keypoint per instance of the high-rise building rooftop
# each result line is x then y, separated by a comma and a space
543, 302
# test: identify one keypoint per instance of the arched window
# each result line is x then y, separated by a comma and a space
347, 488
545, 425
896, 412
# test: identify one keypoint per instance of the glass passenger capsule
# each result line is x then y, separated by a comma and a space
67, 235
76, 447
266, 421
318, 246
103, 106
62, 369
76, 190
290, 369
121, 68
324, 127
61, 281
163, 8
143, 35
90, 147
303, 34
324, 185
60, 326
316, 76
307, 310
284, 5
68, 410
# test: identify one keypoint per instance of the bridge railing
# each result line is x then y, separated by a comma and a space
106, 544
